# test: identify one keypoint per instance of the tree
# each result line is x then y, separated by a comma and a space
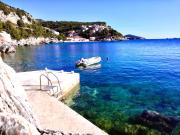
20, 23
61, 37
1, 26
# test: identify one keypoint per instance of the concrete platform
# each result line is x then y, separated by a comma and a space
52, 113
55, 115
64, 81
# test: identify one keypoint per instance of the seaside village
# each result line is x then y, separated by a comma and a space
73, 36
8, 44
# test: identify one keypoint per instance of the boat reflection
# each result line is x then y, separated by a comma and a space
91, 67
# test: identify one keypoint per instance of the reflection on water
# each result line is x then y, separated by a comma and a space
91, 67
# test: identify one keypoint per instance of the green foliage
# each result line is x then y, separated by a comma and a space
20, 12
176, 131
1, 26
64, 26
61, 37
37, 29
25, 31
12, 30
20, 23
6, 9
127, 129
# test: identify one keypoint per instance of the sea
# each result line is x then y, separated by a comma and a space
133, 76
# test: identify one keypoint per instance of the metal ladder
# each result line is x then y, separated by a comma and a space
50, 86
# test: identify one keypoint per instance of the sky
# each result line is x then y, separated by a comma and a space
146, 18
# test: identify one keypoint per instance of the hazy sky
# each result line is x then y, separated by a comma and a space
148, 18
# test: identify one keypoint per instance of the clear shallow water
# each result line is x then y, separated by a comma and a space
139, 75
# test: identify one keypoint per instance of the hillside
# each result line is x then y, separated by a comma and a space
132, 37
20, 24
89, 30
17, 27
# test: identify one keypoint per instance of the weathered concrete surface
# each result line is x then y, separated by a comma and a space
55, 115
51, 113
31, 80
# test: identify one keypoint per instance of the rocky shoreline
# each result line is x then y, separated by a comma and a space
8, 45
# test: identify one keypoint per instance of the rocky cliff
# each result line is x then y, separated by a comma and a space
15, 111
18, 27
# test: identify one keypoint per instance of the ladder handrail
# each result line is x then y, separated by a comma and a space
49, 81
49, 72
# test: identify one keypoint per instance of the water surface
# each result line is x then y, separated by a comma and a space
138, 75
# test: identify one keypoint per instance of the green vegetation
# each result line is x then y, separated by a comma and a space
40, 28
22, 30
61, 37
8, 9
102, 34
25, 30
20, 23
64, 27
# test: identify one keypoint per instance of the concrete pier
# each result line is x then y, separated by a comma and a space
52, 113
62, 82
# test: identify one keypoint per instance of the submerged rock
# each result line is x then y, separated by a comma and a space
157, 121
128, 129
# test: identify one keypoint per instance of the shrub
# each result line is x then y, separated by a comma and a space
20, 23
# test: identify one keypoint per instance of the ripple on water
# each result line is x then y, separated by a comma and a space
139, 75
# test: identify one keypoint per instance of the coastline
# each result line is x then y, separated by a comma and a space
34, 111
9, 46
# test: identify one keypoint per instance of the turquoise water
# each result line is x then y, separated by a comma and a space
138, 75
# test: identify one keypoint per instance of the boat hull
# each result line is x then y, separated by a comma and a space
88, 62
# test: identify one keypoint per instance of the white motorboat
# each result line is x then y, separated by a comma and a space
88, 62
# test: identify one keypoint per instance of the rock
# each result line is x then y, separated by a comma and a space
7, 45
25, 19
11, 124
51, 132
12, 17
11, 49
5, 37
3, 48
157, 121
13, 98
7, 49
